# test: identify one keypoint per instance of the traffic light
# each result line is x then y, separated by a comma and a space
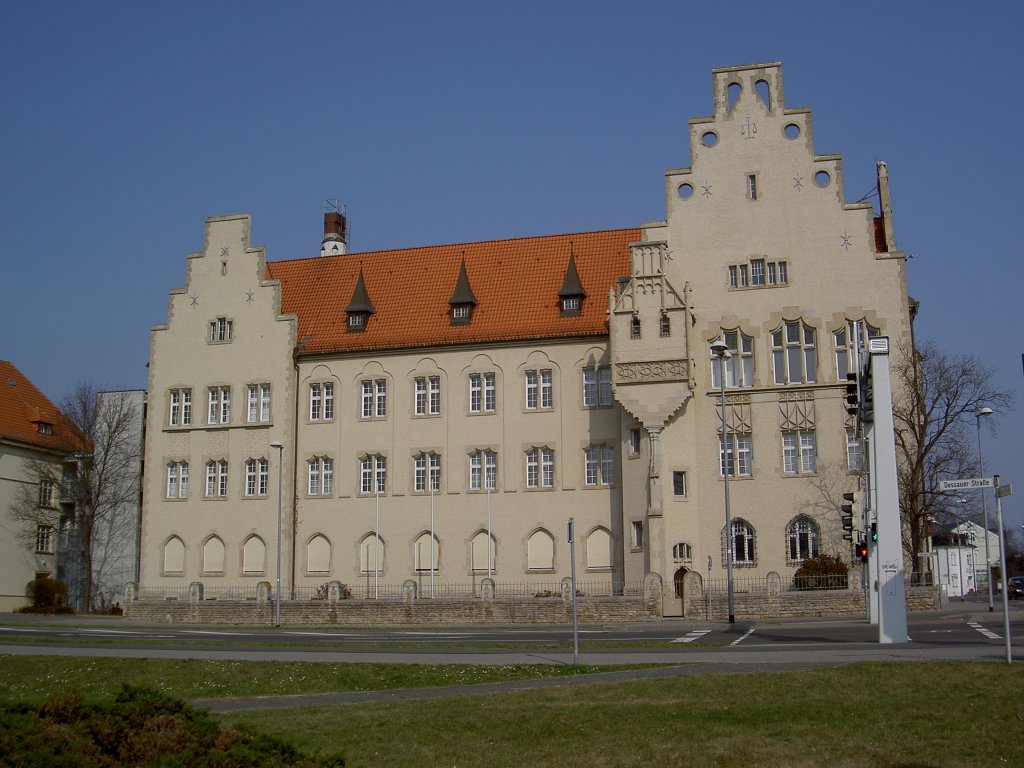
874, 532
852, 393
867, 397
847, 517
862, 551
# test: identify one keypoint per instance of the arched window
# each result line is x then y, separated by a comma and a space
739, 366
371, 554
847, 344
742, 539
682, 552
599, 549
254, 555
802, 539
318, 554
793, 353
484, 556
213, 555
174, 556
540, 551
422, 553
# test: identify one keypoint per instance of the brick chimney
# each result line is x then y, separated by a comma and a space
335, 242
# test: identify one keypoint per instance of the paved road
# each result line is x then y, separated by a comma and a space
960, 632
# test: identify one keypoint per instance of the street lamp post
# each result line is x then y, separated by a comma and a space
984, 507
280, 474
720, 349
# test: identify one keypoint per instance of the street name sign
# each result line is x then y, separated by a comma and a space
965, 484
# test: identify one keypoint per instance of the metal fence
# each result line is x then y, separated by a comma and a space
759, 584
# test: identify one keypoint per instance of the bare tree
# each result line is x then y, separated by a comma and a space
935, 395
98, 481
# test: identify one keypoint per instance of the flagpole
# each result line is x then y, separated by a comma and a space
376, 542
431, 535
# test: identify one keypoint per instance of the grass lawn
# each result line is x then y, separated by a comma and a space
901, 715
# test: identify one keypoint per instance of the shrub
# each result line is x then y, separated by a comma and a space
141, 727
821, 572
45, 592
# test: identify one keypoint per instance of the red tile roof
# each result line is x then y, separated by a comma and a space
23, 408
516, 284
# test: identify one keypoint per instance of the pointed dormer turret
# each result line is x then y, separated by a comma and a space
360, 307
572, 294
462, 301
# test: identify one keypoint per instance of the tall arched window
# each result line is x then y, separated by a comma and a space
371, 554
794, 359
802, 539
174, 556
742, 540
254, 555
213, 555
318, 554
739, 367
599, 549
484, 557
422, 552
540, 551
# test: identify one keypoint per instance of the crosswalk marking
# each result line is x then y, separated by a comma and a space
739, 640
697, 634
986, 632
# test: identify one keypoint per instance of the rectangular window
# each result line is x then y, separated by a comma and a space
216, 479
483, 468
328, 400
315, 402
740, 455
373, 474
734, 279
597, 387
531, 390
546, 389
428, 395
46, 493
259, 403
375, 399
220, 330
799, 452
744, 280
853, 450
752, 186
634, 442
251, 474
219, 411
679, 484
427, 468
599, 465
757, 272
44, 539
172, 480
793, 354
540, 468
482, 394
320, 476
665, 326
180, 408
637, 529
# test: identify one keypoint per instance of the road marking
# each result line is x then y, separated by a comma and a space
697, 634
986, 632
739, 640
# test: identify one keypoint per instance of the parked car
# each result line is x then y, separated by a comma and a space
1015, 587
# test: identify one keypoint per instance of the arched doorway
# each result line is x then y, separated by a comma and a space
678, 583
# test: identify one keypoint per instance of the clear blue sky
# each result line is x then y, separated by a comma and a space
123, 125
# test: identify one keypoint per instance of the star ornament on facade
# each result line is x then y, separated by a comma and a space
250, 297
224, 252
845, 241
194, 299
705, 189
798, 182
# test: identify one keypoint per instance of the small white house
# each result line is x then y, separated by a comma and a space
955, 568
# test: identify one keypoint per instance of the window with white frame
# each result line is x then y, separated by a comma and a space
256, 477
540, 468
847, 345
46, 493
427, 391
637, 534
179, 407
739, 455
597, 386
220, 330
802, 537
426, 472
320, 476
219, 410
854, 452
375, 399
742, 540
539, 389
483, 470
739, 366
44, 539
793, 353
758, 273
634, 442
373, 474
599, 465
482, 393
799, 452
216, 478
679, 484
177, 480
321, 401
259, 403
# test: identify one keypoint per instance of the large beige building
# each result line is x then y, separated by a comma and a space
439, 413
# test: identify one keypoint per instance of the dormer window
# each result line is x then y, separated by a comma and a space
462, 301
360, 307
570, 306
44, 428
357, 322
572, 293
461, 314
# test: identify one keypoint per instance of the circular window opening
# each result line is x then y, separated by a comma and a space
822, 178
685, 191
791, 131
709, 139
